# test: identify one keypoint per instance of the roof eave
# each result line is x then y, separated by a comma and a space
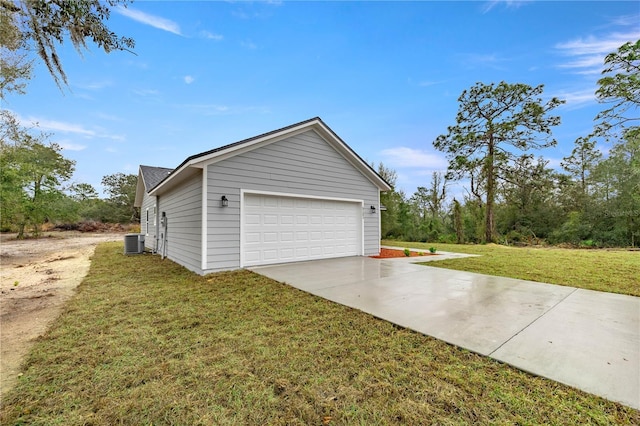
140, 190
208, 157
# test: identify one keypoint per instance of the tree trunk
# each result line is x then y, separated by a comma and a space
491, 180
457, 221
20, 231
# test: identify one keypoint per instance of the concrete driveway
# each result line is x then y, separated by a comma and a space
586, 339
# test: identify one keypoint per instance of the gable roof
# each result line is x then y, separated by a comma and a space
153, 175
198, 161
148, 177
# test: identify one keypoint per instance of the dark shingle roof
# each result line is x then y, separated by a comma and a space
153, 175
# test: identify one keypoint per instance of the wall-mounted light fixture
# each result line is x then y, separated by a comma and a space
224, 202
373, 209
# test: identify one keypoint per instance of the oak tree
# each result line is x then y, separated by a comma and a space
31, 173
46, 23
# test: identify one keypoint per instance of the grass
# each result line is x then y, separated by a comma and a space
614, 271
146, 342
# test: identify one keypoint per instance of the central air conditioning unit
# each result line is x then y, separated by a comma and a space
134, 244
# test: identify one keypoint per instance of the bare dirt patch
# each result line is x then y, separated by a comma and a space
36, 278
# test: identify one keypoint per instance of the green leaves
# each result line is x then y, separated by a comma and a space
45, 23
620, 87
491, 119
122, 193
31, 172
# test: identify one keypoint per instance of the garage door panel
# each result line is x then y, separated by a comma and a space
252, 202
270, 237
286, 254
270, 219
284, 229
252, 237
287, 203
252, 219
270, 254
270, 202
252, 256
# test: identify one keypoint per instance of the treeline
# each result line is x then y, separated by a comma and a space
512, 196
593, 201
35, 188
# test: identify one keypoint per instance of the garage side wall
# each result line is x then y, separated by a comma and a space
304, 164
147, 221
183, 208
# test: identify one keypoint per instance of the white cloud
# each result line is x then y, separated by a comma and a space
587, 53
248, 44
489, 60
510, 4
577, 98
119, 138
95, 85
554, 163
626, 20
152, 20
409, 157
207, 109
109, 117
189, 79
58, 126
211, 36
146, 92
428, 83
70, 146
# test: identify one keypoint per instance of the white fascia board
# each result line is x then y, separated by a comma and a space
140, 190
231, 151
317, 125
245, 147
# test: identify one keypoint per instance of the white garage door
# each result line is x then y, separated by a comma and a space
280, 229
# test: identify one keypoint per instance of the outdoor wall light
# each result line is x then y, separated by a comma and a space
373, 209
224, 202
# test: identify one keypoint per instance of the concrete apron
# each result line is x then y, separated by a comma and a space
582, 338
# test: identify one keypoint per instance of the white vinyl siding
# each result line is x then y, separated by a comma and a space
183, 207
148, 228
304, 164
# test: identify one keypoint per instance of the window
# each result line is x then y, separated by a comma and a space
146, 225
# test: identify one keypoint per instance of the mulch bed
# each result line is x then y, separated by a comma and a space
388, 253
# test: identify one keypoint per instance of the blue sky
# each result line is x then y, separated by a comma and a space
385, 76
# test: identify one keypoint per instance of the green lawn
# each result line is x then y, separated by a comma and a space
146, 342
615, 271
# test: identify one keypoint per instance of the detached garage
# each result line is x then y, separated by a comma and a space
297, 193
